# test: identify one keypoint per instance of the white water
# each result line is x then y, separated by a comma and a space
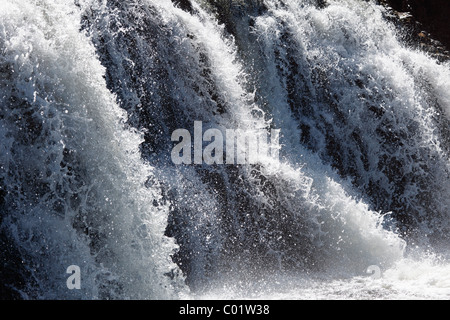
315, 231
408, 280
52, 70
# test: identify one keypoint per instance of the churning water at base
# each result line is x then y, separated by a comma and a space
91, 91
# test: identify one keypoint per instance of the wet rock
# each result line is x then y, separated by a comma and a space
426, 24
230, 11
185, 5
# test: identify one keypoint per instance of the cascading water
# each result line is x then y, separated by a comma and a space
73, 181
91, 92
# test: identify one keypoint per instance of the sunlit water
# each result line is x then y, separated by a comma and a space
91, 92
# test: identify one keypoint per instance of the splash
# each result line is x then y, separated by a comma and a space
92, 92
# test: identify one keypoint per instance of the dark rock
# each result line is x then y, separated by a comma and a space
427, 23
12, 272
185, 5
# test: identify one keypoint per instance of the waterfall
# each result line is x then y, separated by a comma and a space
91, 92
72, 177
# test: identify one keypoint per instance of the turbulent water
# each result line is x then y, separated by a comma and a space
91, 92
